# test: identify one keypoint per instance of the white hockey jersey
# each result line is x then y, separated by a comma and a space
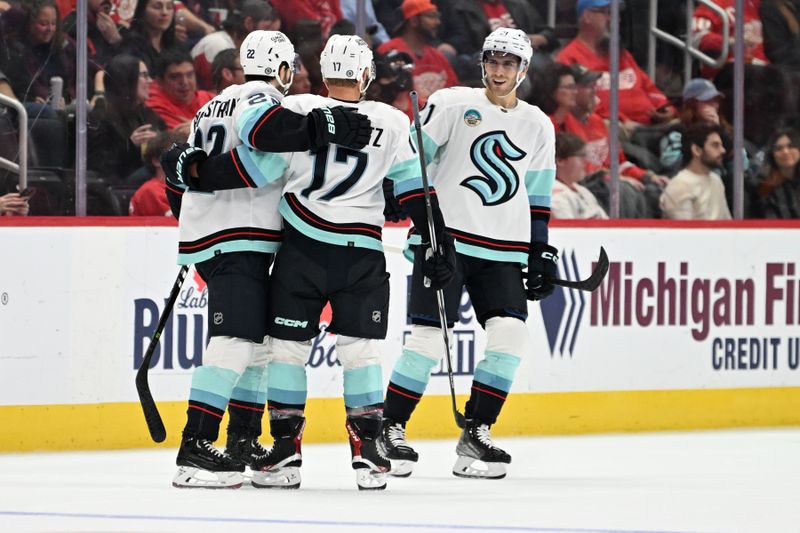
336, 194
492, 169
231, 220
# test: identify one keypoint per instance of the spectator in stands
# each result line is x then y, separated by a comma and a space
254, 15
152, 31
227, 70
326, 12
778, 189
12, 204
432, 70
37, 51
300, 82
707, 33
640, 100
569, 198
393, 81
104, 38
573, 97
150, 200
175, 96
124, 11
121, 124
781, 28
697, 192
466, 23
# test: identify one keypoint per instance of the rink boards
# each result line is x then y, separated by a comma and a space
695, 326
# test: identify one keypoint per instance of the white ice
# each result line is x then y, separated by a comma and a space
725, 481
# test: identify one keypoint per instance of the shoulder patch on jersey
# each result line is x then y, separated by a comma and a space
472, 117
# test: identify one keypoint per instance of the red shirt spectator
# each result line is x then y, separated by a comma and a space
327, 12
150, 200
708, 32
638, 95
594, 133
639, 98
175, 96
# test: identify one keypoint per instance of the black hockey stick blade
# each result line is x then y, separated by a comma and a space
151, 415
593, 281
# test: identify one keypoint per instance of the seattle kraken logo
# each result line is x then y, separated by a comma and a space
490, 153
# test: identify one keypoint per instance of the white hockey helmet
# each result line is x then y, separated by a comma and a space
509, 41
263, 52
346, 57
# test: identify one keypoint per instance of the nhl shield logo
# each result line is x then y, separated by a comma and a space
376, 317
472, 117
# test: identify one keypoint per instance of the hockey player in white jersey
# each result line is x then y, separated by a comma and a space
333, 210
491, 160
231, 237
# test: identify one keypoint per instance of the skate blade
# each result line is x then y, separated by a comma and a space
401, 468
283, 478
188, 477
472, 468
367, 479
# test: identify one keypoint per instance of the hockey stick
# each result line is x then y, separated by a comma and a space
154, 423
590, 283
460, 422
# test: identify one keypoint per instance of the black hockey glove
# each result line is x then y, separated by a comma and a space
542, 267
339, 125
392, 210
177, 162
439, 268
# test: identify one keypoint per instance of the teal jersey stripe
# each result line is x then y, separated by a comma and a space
228, 247
353, 401
428, 144
413, 370
409, 383
540, 182
287, 396
288, 377
209, 398
487, 378
246, 395
470, 250
501, 365
401, 187
248, 120
539, 200
252, 386
262, 167
363, 380
214, 379
404, 171
299, 224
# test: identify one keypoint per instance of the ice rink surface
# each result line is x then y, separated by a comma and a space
724, 481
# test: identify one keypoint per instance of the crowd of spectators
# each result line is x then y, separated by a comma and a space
154, 63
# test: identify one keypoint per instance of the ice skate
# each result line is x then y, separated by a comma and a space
201, 465
244, 449
478, 457
368, 460
279, 468
400, 454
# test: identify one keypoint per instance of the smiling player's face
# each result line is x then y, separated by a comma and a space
501, 72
